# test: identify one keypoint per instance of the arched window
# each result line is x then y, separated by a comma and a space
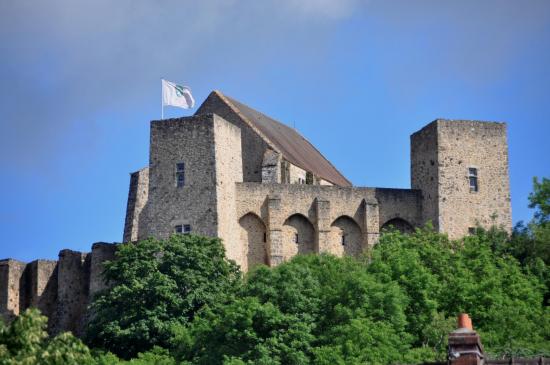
397, 223
298, 236
345, 237
253, 240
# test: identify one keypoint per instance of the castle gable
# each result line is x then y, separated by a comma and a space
285, 140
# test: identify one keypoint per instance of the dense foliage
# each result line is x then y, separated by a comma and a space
179, 301
158, 287
25, 341
396, 306
315, 308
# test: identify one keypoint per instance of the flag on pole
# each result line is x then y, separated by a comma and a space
176, 95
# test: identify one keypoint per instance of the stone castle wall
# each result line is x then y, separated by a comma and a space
137, 200
320, 215
61, 289
190, 141
227, 149
328, 218
425, 171
253, 146
482, 146
441, 155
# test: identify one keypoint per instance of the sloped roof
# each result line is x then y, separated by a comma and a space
293, 146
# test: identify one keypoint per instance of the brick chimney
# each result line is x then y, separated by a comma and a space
464, 344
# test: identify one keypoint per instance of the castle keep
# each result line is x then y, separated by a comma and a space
233, 172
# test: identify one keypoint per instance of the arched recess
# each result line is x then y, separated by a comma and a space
345, 237
298, 236
253, 241
398, 223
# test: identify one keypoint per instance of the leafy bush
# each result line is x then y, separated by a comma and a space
314, 309
395, 306
157, 288
25, 341
443, 278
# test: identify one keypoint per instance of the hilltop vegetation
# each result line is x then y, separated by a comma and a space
180, 301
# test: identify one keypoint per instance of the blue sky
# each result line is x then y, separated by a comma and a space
80, 82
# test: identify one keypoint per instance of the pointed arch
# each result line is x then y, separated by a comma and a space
346, 237
253, 241
298, 236
398, 223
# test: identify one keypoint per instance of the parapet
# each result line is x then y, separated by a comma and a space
61, 290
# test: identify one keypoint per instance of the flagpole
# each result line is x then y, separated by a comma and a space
161, 101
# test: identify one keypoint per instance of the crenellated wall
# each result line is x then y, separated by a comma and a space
60, 289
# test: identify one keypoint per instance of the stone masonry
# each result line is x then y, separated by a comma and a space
232, 172
442, 154
60, 289
268, 205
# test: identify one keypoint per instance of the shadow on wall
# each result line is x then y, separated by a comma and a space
253, 241
298, 236
397, 223
345, 237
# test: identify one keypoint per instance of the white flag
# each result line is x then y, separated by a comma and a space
176, 95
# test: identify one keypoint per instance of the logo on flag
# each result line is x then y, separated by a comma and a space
177, 95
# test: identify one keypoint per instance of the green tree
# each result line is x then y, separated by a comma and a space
25, 342
157, 287
530, 243
540, 199
313, 309
442, 278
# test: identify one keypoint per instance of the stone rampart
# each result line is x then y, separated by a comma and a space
61, 290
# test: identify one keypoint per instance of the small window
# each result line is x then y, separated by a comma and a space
265, 237
180, 174
471, 231
343, 240
309, 178
296, 238
183, 228
472, 177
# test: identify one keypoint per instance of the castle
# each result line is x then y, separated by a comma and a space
232, 172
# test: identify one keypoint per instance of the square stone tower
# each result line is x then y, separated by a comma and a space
194, 164
461, 167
